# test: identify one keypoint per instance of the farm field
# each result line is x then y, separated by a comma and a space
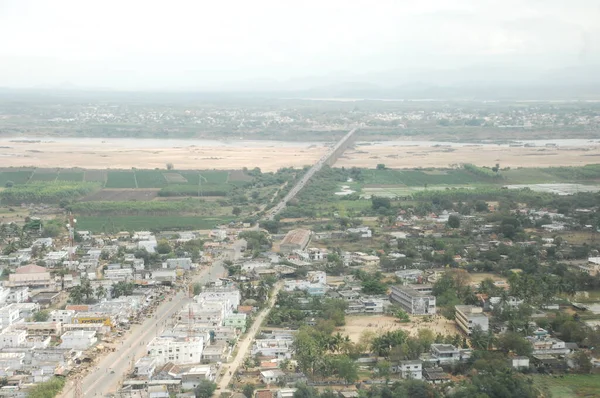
130, 223
17, 176
120, 195
569, 386
120, 179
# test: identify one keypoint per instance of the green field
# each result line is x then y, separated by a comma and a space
70, 176
150, 179
422, 177
17, 177
120, 179
43, 177
131, 223
569, 386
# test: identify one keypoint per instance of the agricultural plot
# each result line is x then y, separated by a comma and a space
239, 175
150, 179
569, 386
528, 176
395, 192
71, 176
207, 176
17, 177
120, 179
95, 176
174, 178
421, 178
121, 195
132, 223
43, 176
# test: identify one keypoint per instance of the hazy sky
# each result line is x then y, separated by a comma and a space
178, 44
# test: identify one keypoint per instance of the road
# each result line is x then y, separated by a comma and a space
113, 368
306, 177
244, 345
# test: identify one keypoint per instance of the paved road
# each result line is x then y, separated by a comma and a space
102, 381
245, 344
306, 177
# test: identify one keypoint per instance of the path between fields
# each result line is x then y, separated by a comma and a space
244, 345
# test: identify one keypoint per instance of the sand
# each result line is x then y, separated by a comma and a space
116, 154
272, 155
379, 324
488, 155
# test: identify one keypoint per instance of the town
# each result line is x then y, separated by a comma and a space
467, 289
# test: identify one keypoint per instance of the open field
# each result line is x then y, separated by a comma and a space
568, 386
378, 324
404, 155
144, 223
116, 195
93, 153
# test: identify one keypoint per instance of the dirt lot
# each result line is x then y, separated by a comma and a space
425, 155
357, 324
118, 195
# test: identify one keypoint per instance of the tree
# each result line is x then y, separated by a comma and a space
197, 289
170, 166
51, 230
380, 166
236, 211
511, 341
248, 390
163, 247
9, 184
583, 362
380, 202
346, 368
100, 292
454, 221
41, 316
383, 369
205, 389
76, 295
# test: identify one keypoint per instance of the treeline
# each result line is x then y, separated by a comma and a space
47, 192
482, 171
198, 207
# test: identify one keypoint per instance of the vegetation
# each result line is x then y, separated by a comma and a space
46, 192
205, 389
47, 389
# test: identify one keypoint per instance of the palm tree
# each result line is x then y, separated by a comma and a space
100, 292
76, 295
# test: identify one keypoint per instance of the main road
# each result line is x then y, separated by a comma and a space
110, 371
309, 174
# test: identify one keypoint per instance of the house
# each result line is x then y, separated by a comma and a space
436, 375
193, 377
12, 338
177, 350
296, 239
409, 369
46, 299
444, 354
62, 316
183, 263
271, 376
413, 301
363, 232
145, 367
236, 321
592, 267
78, 340
410, 275
158, 391
9, 314
519, 362
17, 295
213, 353
468, 317
543, 344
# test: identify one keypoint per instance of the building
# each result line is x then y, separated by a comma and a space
62, 316
213, 353
46, 299
119, 274
93, 317
183, 263
194, 376
236, 321
179, 351
366, 305
444, 354
271, 376
145, 367
543, 344
468, 317
78, 340
296, 239
9, 314
410, 275
409, 369
12, 338
18, 295
436, 375
315, 284
413, 301
32, 276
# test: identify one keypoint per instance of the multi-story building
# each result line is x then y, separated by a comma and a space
12, 338
468, 317
9, 314
296, 239
413, 301
409, 369
236, 321
183, 263
180, 351
78, 340
62, 316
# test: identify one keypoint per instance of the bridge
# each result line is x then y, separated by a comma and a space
329, 159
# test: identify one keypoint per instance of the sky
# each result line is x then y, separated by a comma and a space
208, 44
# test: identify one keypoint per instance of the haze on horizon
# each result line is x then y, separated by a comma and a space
274, 45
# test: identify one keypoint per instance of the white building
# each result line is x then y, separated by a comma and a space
8, 315
180, 351
62, 316
183, 263
468, 317
409, 369
413, 301
271, 376
18, 295
363, 232
193, 377
145, 367
119, 274
78, 340
12, 338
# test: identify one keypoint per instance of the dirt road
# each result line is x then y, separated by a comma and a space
245, 344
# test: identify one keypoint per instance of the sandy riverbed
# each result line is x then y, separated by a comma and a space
272, 155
